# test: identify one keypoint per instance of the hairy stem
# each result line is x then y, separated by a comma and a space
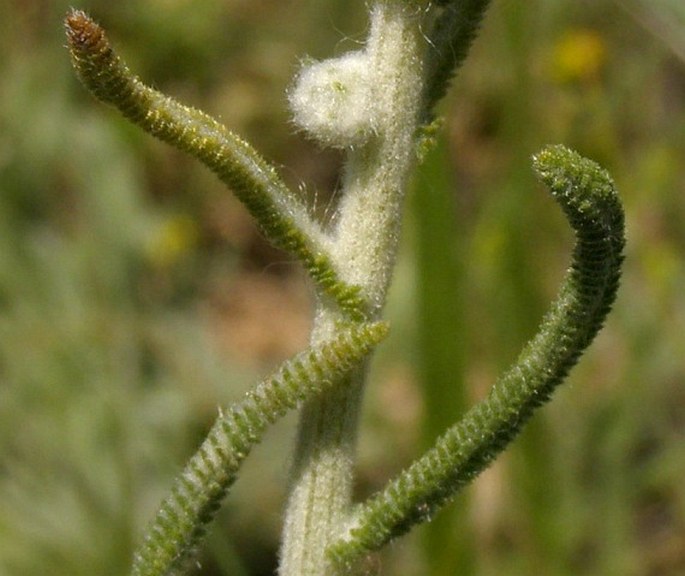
365, 248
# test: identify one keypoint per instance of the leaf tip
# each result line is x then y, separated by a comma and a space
82, 31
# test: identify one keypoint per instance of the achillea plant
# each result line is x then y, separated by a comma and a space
377, 105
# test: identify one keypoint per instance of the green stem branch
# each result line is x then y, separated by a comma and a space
281, 215
184, 515
589, 200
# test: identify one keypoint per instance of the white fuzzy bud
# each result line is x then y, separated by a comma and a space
333, 102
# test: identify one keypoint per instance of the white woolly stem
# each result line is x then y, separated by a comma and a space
364, 252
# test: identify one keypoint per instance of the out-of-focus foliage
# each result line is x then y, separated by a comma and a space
663, 18
136, 297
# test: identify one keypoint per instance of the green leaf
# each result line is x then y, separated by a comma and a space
588, 198
184, 516
281, 215
454, 30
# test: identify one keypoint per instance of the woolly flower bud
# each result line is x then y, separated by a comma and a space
332, 100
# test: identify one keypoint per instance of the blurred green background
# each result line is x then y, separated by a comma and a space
136, 296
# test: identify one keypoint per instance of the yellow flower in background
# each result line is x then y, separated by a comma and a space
579, 56
171, 239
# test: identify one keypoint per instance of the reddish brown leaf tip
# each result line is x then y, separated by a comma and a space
82, 31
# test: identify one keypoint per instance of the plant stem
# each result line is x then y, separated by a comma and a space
365, 249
